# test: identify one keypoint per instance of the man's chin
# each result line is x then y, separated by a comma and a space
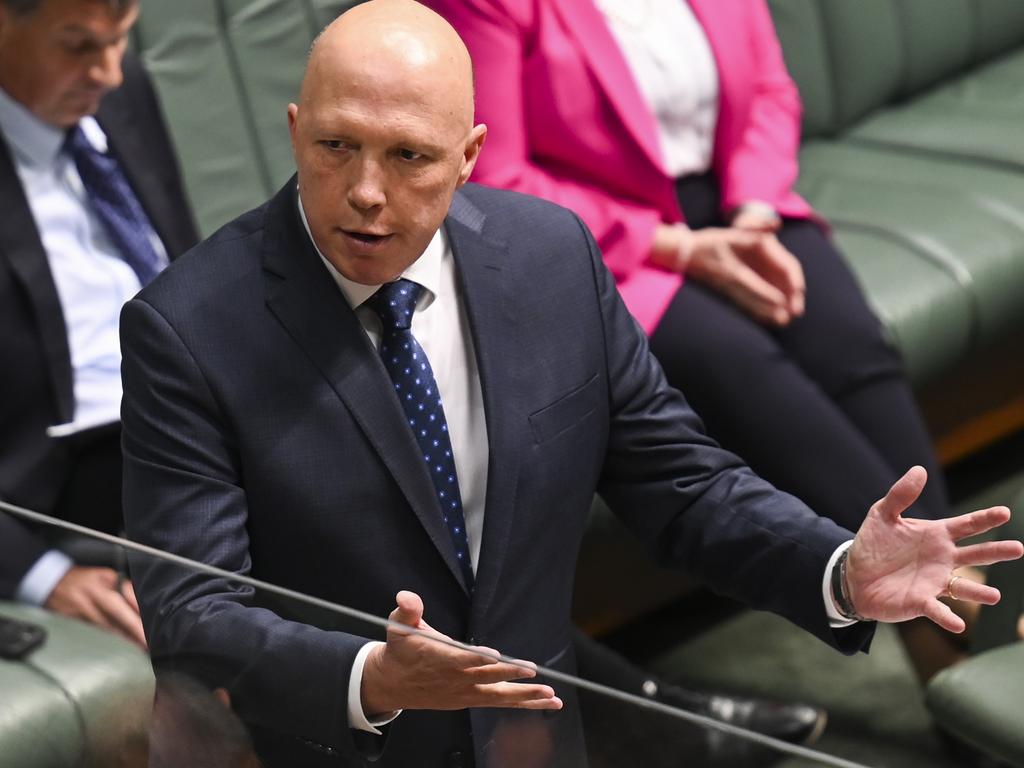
69, 114
367, 270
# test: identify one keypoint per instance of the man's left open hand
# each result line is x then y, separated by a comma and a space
899, 567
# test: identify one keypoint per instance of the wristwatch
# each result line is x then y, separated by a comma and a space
841, 590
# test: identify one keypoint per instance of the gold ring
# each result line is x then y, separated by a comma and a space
949, 587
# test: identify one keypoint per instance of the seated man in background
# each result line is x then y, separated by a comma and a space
387, 385
92, 210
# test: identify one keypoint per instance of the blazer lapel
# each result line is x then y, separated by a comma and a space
489, 303
585, 22
20, 243
304, 298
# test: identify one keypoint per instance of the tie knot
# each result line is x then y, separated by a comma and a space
76, 143
395, 302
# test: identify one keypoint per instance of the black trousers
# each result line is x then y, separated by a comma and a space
822, 408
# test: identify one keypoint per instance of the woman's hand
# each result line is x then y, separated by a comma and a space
752, 269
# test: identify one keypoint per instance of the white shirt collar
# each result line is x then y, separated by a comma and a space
36, 143
426, 270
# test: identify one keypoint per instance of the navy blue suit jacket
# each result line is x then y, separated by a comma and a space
262, 435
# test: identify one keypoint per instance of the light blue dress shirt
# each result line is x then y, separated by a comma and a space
92, 282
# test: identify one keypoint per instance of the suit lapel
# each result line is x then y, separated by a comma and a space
306, 301
21, 245
125, 137
488, 299
587, 25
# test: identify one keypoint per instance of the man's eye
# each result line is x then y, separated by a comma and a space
335, 145
408, 154
79, 46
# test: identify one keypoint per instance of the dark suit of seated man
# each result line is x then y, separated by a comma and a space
383, 381
64, 276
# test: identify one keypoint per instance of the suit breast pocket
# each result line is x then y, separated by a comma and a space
565, 412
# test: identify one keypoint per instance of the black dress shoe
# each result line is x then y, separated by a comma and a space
792, 722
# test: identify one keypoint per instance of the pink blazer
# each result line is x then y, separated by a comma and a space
567, 122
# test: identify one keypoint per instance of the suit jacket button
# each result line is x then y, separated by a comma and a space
458, 759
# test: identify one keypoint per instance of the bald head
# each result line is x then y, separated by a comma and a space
383, 135
399, 42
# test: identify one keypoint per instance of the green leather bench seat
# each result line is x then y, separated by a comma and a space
927, 313
912, 122
965, 221
82, 698
981, 700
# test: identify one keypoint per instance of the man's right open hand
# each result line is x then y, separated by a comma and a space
412, 672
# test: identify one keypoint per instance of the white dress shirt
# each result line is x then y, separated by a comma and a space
441, 327
92, 284
671, 60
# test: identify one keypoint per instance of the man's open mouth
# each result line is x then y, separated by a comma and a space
366, 237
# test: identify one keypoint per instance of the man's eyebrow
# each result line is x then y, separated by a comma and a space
78, 29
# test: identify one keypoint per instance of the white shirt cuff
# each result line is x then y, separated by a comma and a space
356, 717
836, 620
36, 585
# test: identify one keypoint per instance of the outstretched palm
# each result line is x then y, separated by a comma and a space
899, 567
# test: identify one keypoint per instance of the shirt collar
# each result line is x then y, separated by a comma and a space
426, 270
36, 143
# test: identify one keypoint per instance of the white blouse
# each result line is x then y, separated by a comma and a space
668, 53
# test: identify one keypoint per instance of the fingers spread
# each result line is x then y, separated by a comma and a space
903, 493
972, 591
988, 553
942, 615
974, 523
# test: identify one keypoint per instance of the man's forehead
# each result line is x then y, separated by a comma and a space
84, 16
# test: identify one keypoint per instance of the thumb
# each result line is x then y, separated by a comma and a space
903, 493
409, 610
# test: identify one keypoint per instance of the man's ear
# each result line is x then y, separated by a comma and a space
472, 151
293, 118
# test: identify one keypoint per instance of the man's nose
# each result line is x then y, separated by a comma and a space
105, 69
367, 189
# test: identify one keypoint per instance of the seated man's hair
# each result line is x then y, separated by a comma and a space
25, 7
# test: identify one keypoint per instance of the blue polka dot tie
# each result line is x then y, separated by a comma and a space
115, 205
413, 379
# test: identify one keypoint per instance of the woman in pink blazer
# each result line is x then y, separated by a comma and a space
747, 304
715, 265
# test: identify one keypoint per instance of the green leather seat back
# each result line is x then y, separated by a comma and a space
82, 698
866, 49
999, 26
981, 701
801, 32
850, 59
225, 71
937, 41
